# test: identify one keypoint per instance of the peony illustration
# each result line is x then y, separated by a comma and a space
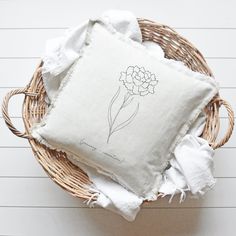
137, 81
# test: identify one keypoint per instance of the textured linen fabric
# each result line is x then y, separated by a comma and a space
122, 110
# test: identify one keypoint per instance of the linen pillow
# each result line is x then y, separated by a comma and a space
122, 110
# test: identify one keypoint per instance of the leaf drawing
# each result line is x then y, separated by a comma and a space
110, 106
125, 123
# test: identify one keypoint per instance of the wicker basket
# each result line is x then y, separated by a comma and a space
56, 165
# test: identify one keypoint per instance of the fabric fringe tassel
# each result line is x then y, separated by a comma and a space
183, 192
91, 201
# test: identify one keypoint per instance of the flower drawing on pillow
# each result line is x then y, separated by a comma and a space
138, 82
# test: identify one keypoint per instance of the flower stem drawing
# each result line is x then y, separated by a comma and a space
137, 81
127, 100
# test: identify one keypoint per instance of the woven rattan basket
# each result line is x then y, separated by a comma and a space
56, 165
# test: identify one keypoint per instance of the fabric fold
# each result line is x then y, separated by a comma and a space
194, 157
111, 195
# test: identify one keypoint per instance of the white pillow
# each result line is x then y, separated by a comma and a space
122, 110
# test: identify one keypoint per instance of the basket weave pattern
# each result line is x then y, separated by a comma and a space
56, 165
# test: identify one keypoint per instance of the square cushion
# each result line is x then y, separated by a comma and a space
123, 110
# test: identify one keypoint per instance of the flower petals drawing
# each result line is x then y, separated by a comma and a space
138, 82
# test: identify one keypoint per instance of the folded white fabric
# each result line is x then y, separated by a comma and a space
197, 172
191, 168
54, 70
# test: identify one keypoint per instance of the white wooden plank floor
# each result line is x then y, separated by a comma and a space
30, 204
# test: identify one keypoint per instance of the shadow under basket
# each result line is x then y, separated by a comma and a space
57, 166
